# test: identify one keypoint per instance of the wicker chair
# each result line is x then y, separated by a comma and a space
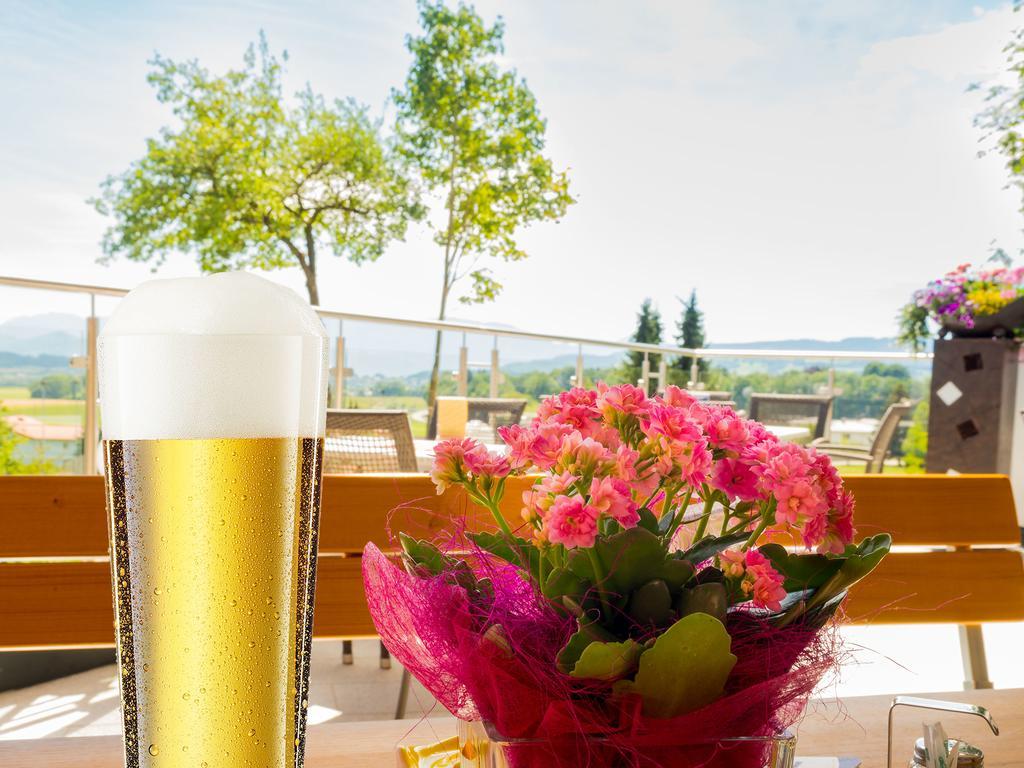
358, 441
494, 412
874, 457
812, 411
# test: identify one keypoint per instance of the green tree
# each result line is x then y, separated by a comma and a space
648, 331
60, 386
10, 462
915, 444
249, 181
690, 334
473, 131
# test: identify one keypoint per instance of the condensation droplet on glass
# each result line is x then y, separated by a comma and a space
153, 750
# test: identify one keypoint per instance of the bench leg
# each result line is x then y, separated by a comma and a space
385, 657
346, 651
403, 695
972, 649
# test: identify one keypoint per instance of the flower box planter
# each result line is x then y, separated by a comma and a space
1001, 324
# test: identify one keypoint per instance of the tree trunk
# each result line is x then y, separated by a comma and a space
435, 371
309, 268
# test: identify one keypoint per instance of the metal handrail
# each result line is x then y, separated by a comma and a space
487, 330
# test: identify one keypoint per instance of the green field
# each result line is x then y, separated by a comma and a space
14, 393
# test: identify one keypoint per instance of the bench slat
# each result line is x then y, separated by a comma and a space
968, 587
65, 516
69, 605
936, 510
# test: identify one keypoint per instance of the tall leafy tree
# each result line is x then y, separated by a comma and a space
690, 333
473, 131
247, 180
648, 331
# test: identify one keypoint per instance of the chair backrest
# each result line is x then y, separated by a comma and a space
811, 411
496, 412
710, 395
886, 431
359, 441
55, 573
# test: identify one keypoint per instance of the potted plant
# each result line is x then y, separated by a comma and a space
966, 302
635, 614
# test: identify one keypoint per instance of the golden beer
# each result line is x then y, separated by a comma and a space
213, 544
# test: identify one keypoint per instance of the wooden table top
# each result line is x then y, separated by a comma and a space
855, 727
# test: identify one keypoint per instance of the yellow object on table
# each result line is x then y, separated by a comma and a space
452, 415
443, 754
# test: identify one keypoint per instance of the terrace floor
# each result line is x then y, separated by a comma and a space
895, 659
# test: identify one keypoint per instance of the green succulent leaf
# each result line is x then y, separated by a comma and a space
628, 561
710, 598
608, 661
648, 521
515, 550
562, 582
587, 633
710, 546
685, 669
676, 573
650, 604
423, 556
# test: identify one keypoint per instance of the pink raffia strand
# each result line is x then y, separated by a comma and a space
508, 677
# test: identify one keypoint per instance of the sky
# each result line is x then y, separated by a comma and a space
802, 165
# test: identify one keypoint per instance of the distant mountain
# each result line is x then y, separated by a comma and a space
374, 349
53, 333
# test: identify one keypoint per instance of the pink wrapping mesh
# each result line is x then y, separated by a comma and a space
433, 630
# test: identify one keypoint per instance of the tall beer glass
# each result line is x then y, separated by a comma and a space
213, 393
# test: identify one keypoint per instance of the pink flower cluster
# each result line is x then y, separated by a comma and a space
607, 453
755, 576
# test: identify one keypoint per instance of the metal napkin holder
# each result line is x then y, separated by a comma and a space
942, 706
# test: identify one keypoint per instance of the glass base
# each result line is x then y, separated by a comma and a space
480, 746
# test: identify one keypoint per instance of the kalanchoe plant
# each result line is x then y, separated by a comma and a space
961, 296
646, 526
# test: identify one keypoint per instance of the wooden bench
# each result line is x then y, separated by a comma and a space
55, 577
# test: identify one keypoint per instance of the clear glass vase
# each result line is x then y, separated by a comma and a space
480, 746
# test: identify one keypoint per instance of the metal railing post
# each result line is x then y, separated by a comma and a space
832, 378
579, 365
694, 371
90, 432
463, 380
495, 369
339, 370
645, 372
662, 374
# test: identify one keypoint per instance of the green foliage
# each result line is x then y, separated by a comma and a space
10, 462
475, 136
913, 327
685, 669
608, 661
690, 334
827, 575
648, 331
248, 181
915, 444
59, 386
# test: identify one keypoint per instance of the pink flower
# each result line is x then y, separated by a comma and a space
576, 408
485, 463
732, 563
735, 479
725, 430
765, 582
583, 455
623, 398
625, 463
612, 497
538, 499
839, 531
798, 500
520, 444
678, 443
449, 461
571, 523
546, 446
677, 398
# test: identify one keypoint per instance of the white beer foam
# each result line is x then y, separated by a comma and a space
226, 355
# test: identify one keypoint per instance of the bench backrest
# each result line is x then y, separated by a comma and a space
55, 575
